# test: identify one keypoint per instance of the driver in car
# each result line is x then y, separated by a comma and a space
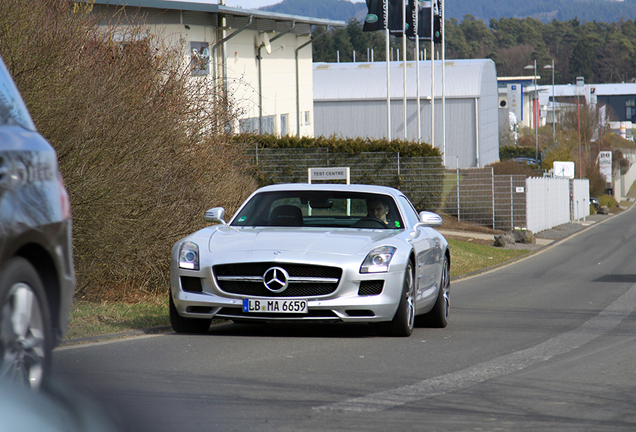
377, 208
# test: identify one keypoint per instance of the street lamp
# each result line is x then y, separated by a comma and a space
534, 113
553, 102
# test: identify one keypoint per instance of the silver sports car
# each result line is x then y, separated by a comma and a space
321, 253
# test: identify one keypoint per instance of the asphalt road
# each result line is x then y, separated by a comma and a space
544, 344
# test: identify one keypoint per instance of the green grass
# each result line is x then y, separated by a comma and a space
467, 257
103, 318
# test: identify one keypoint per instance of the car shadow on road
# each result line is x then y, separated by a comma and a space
294, 329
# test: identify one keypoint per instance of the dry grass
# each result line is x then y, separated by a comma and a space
451, 223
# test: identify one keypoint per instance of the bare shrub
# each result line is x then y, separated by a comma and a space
511, 167
140, 145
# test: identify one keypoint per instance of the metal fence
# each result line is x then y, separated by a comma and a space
471, 195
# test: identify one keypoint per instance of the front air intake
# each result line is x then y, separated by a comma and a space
371, 287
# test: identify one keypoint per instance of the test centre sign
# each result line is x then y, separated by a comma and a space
340, 173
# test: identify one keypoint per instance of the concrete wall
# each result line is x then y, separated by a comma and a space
278, 79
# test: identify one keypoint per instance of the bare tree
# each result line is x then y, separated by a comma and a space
142, 146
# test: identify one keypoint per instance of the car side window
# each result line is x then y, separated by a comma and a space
409, 211
13, 111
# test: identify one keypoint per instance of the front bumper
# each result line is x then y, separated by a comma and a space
345, 304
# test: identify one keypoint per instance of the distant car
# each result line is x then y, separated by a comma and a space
314, 253
37, 279
527, 161
595, 203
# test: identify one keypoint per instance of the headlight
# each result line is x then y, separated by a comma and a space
189, 256
378, 260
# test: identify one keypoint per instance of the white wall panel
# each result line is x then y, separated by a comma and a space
547, 202
580, 199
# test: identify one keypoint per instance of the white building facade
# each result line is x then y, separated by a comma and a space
262, 59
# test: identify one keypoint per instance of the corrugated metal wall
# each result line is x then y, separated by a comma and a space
488, 116
349, 102
368, 119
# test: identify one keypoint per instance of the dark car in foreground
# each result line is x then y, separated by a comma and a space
37, 279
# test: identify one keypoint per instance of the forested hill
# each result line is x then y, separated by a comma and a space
608, 11
599, 52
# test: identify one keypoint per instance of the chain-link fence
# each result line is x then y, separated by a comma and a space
471, 195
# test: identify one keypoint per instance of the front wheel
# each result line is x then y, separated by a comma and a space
26, 336
438, 316
186, 325
404, 319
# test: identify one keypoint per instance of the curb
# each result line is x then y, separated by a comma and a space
152, 330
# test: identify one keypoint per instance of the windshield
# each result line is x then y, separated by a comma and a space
320, 209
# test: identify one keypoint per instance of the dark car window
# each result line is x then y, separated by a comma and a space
317, 209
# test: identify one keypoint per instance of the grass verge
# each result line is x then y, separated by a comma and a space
93, 318
103, 318
469, 257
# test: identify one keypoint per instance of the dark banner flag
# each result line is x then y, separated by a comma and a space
376, 16
385, 13
423, 24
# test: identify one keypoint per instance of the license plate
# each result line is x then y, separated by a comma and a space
274, 306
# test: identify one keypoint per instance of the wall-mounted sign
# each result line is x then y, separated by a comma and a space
605, 165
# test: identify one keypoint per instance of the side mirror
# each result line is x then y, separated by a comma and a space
430, 219
215, 215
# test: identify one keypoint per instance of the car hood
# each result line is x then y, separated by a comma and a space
338, 241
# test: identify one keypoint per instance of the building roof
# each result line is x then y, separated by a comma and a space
367, 81
212, 6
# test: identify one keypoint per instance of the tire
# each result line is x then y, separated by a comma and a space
438, 316
404, 319
26, 334
187, 325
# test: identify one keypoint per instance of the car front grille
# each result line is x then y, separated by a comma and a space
305, 280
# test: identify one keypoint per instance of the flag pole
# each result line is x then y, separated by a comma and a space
404, 64
417, 69
443, 84
388, 81
432, 76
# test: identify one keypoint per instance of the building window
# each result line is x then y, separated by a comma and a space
630, 109
250, 125
284, 124
307, 118
199, 58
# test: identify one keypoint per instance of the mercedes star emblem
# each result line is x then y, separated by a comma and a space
276, 279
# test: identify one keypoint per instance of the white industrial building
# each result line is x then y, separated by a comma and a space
350, 100
263, 59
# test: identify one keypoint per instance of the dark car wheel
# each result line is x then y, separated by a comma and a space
404, 319
187, 325
26, 337
438, 316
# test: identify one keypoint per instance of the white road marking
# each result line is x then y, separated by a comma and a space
597, 326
